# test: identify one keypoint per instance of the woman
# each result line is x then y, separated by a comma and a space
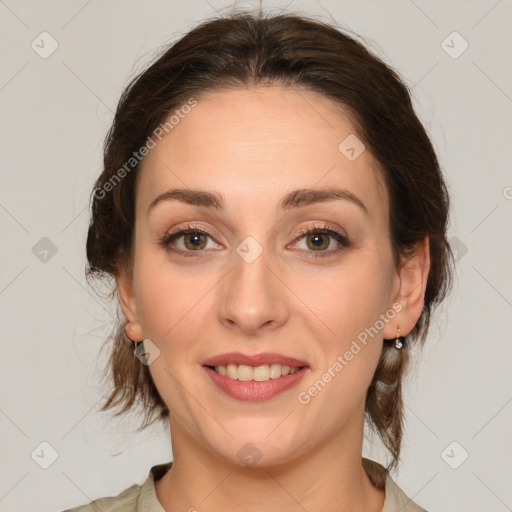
274, 216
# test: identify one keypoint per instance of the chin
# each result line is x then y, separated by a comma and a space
258, 449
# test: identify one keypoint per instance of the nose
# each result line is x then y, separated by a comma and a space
253, 298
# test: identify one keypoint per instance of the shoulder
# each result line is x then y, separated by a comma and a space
126, 501
396, 499
134, 499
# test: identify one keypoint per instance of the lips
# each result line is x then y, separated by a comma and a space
252, 389
254, 360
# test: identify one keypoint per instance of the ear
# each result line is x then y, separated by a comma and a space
412, 276
128, 305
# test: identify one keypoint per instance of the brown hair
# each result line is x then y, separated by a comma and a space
246, 49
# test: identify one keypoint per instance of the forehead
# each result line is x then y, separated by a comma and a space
253, 145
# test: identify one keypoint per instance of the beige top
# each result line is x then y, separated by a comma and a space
142, 498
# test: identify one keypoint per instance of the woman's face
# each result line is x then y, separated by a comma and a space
255, 284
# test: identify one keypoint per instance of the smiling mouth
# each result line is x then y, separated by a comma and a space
261, 373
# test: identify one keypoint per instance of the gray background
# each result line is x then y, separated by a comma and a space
55, 113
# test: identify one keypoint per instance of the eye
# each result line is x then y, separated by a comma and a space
187, 241
320, 239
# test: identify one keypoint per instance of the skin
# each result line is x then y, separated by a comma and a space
253, 146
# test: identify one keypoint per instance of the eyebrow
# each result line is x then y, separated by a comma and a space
295, 199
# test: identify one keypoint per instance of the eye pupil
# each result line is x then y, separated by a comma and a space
195, 239
317, 241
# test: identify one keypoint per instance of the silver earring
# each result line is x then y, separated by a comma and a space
399, 340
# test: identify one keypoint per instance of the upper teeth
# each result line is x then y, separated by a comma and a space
258, 373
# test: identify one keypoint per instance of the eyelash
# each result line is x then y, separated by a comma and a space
317, 229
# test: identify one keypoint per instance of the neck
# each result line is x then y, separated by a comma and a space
330, 474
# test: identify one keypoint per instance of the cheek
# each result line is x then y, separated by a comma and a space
170, 301
175, 312
347, 299
345, 309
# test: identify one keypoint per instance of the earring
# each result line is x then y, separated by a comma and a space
399, 339
137, 343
